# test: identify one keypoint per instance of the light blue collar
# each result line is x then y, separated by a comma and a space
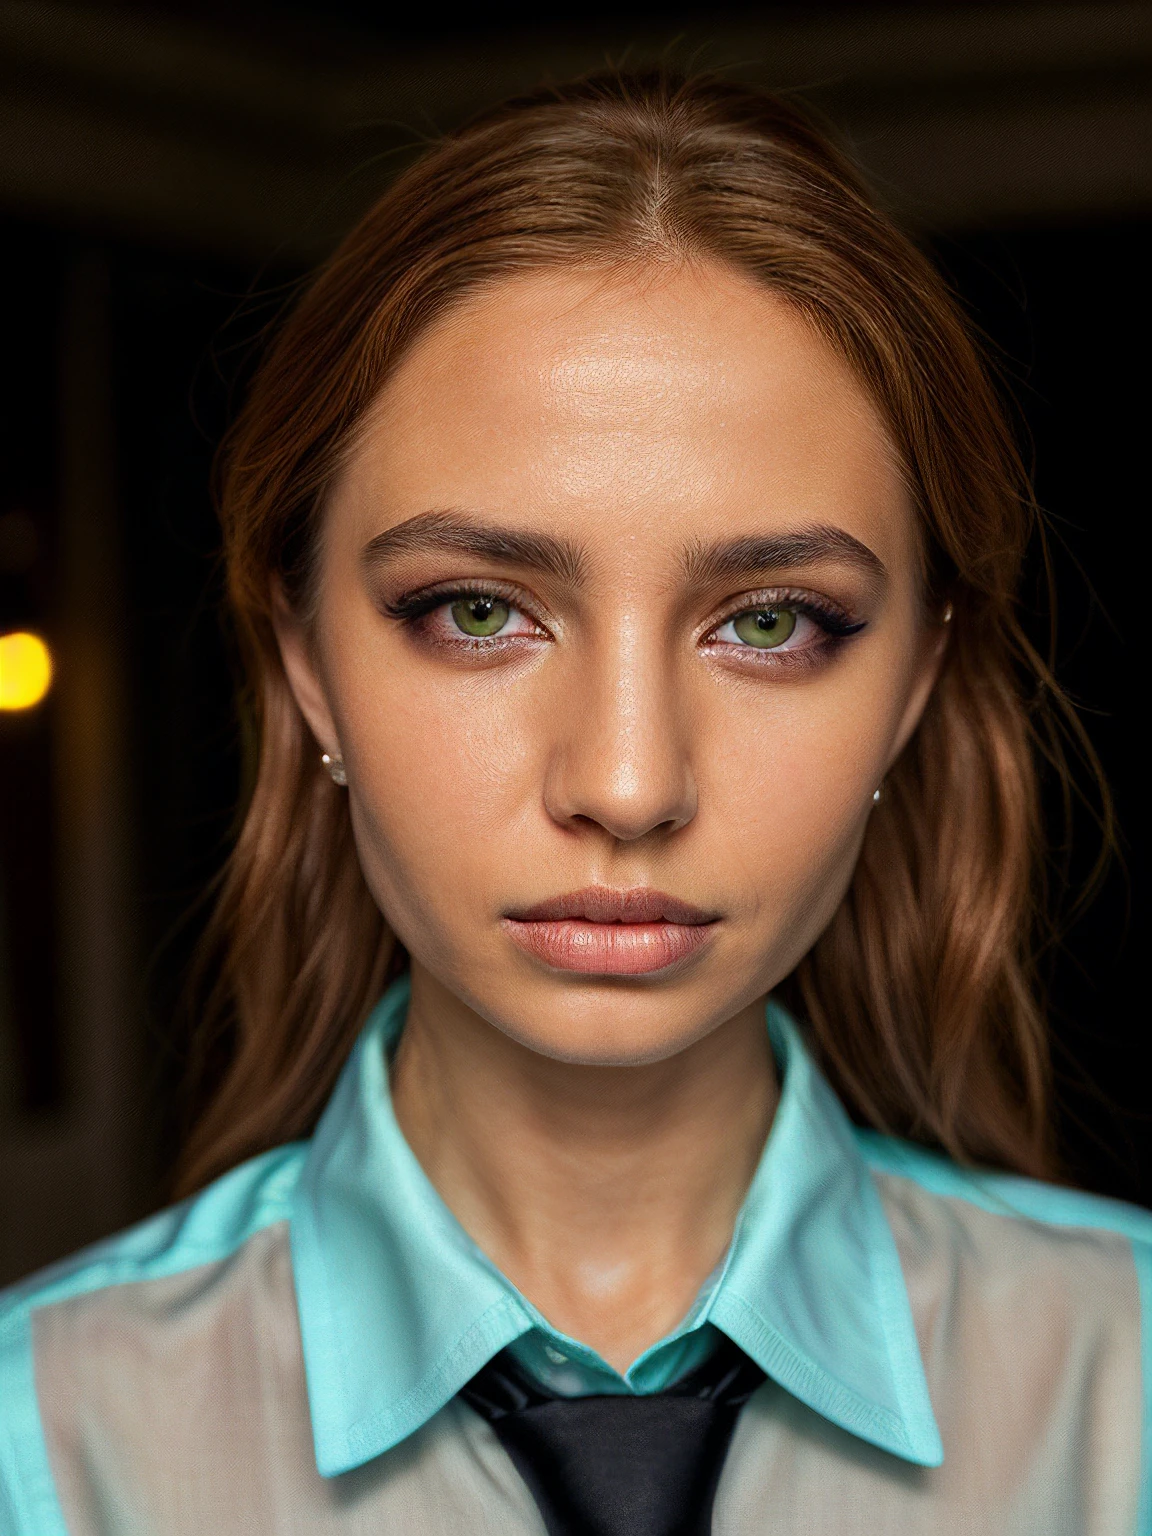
399, 1308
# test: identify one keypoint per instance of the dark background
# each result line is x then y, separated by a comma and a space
168, 173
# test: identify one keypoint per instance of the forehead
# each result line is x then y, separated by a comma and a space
668, 403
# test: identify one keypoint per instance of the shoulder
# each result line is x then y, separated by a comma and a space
1042, 1217
205, 1228
181, 1245
1033, 1307
1011, 1232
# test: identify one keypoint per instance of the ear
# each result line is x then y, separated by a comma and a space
300, 669
931, 649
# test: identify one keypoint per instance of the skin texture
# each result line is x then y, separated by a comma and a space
596, 1133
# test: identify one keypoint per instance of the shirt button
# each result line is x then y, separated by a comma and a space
555, 1356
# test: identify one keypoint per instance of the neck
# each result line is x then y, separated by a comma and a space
606, 1194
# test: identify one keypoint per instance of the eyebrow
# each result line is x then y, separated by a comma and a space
715, 563
454, 532
457, 533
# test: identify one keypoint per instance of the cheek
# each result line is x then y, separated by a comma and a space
790, 795
441, 775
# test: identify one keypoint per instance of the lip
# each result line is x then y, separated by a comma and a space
608, 932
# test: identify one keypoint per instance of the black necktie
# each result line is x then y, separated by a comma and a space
619, 1466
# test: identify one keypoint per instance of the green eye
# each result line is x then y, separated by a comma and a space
765, 627
480, 616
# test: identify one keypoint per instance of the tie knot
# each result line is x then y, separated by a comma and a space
619, 1465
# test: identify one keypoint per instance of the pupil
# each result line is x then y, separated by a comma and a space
482, 608
767, 618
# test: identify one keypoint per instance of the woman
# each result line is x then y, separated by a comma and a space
624, 538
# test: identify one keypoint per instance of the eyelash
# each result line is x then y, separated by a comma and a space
837, 626
412, 607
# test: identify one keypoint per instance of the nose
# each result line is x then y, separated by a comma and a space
621, 760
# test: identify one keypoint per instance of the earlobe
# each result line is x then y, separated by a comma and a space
940, 645
296, 655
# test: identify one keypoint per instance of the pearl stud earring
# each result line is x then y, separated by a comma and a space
335, 766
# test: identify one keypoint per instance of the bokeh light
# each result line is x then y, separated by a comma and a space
25, 670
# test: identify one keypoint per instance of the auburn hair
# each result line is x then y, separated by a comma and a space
920, 997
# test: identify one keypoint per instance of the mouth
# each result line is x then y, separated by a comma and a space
606, 932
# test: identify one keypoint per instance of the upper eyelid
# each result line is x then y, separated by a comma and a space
754, 597
443, 591
429, 598
435, 596
812, 604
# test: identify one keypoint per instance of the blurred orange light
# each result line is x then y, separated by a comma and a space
25, 670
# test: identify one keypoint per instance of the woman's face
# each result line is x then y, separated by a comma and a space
618, 630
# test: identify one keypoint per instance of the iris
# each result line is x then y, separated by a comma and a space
480, 616
765, 627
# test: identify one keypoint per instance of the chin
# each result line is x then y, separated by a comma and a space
610, 1028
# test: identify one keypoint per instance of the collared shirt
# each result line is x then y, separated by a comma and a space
947, 1351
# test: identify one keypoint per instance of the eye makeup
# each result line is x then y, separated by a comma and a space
833, 619
778, 628
459, 615
410, 607
773, 626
